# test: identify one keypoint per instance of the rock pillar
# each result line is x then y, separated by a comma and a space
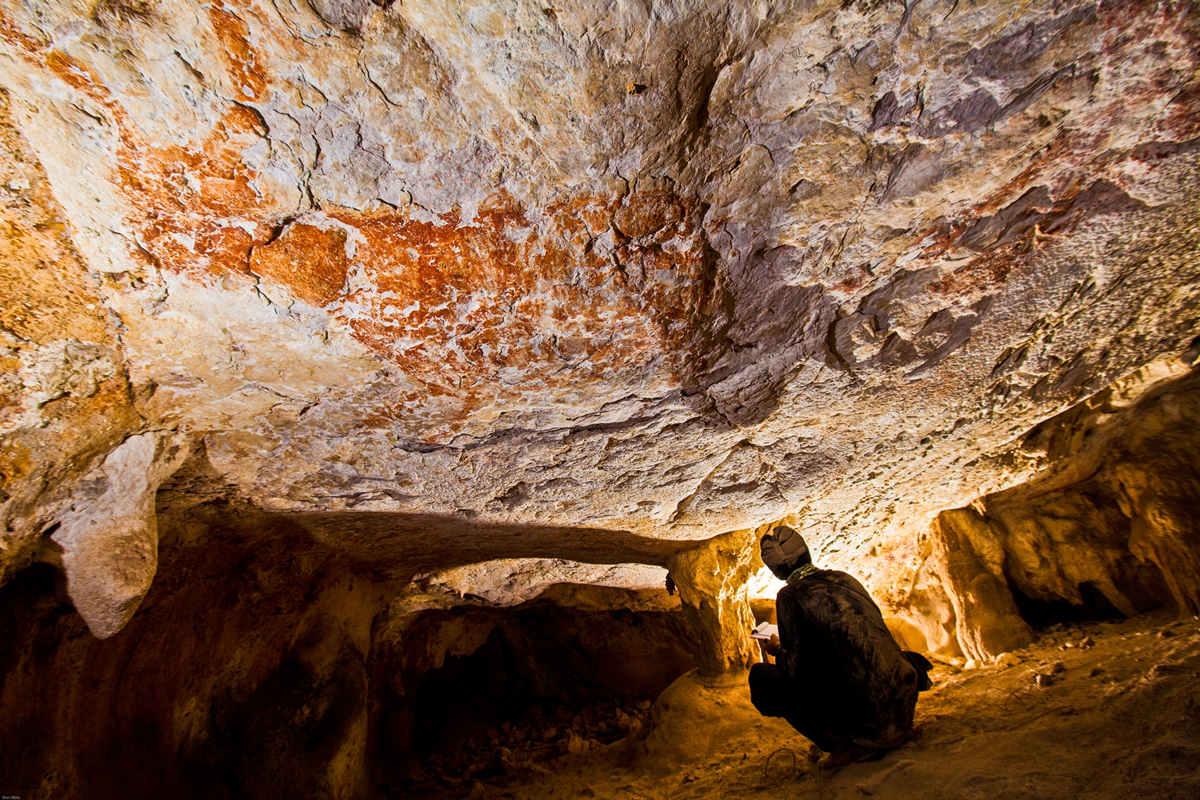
711, 579
988, 622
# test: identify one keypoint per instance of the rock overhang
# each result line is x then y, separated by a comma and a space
669, 271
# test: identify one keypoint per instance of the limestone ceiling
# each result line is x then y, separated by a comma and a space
668, 268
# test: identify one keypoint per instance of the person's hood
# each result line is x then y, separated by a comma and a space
783, 550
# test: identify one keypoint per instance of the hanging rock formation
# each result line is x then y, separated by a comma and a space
108, 532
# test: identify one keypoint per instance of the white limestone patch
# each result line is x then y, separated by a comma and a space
512, 581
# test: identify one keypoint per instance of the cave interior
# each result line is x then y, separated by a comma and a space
393, 394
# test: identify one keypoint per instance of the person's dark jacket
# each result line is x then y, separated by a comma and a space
854, 681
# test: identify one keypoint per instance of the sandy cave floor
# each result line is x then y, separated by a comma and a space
1115, 715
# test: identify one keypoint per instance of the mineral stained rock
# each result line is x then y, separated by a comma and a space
671, 269
356, 351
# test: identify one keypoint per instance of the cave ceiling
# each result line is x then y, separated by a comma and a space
667, 269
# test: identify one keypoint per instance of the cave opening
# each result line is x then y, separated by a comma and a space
1042, 614
521, 686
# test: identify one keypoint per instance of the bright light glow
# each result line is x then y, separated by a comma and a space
763, 584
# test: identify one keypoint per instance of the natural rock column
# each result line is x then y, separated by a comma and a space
988, 621
109, 533
712, 580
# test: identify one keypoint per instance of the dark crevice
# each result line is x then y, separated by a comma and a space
1041, 614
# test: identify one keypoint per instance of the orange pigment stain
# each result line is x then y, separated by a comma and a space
456, 305
185, 196
590, 285
246, 67
310, 260
188, 197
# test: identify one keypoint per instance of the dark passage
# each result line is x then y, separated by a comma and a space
547, 680
1043, 614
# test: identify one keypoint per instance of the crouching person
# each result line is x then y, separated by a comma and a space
839, 677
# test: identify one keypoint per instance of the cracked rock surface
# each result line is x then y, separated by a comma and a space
673, 269
350, 349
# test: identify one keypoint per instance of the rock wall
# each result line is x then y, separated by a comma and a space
266, 659
243, 671
1101, 530
65, 400
443, 678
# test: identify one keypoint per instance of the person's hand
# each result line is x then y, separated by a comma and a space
772, 645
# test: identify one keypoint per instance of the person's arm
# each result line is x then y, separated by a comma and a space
790, 614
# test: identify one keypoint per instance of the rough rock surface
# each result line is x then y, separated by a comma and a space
266, 661
108, 533
524, 579
1105, 526
673, 268
394, 314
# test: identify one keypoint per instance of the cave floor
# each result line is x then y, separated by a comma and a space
1117, 714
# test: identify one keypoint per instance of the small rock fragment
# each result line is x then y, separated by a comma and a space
1087, 642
